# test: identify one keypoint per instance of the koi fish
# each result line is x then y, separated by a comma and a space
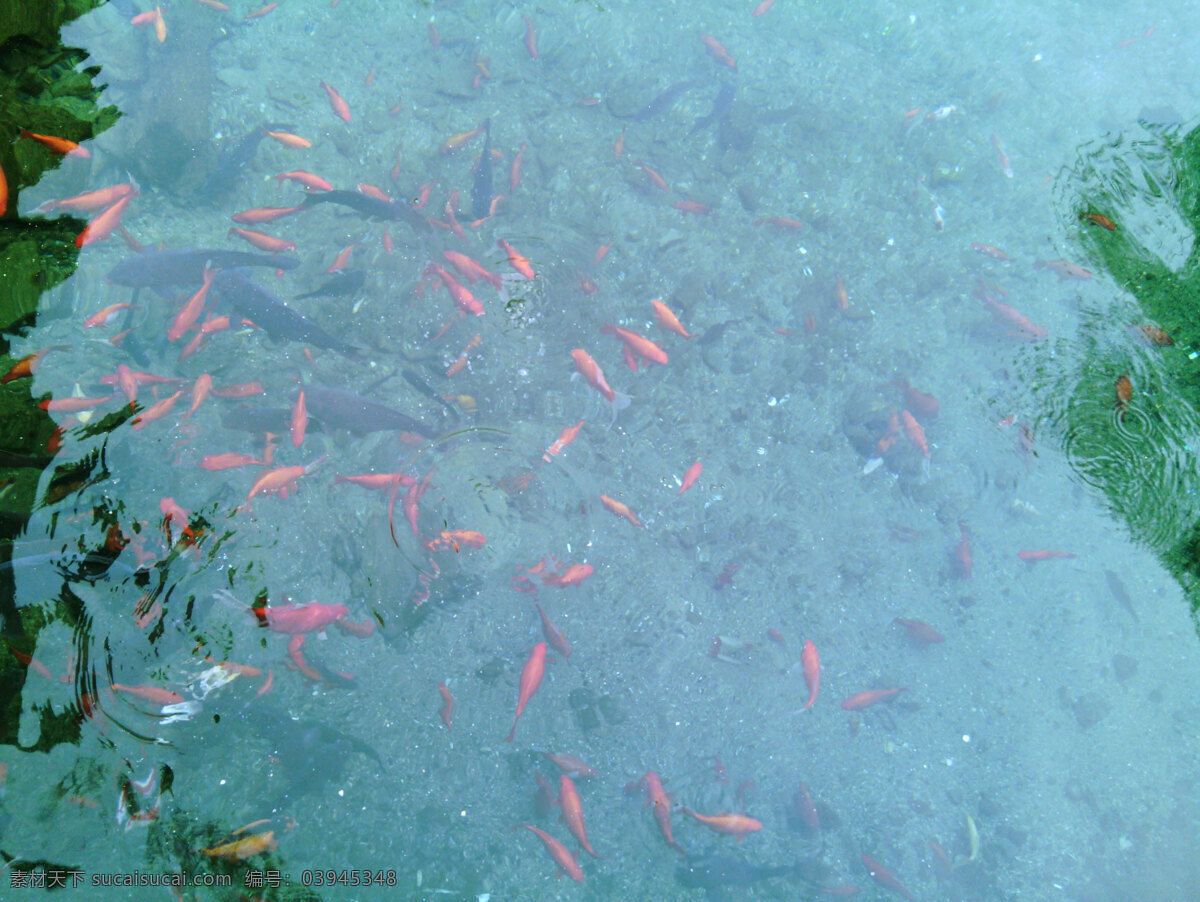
810, 661
731, 824
689, 477
668, 320
553, 634
531, 679
862, 700
620, 509
567, 863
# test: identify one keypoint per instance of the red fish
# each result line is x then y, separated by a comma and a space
296, 619
620, 509
299, 421
471, 270
447, 704
530, 37
990, 251
642, 347
260, 215
567, 863
553, 634
516, 261
341, 109
150, 694
919, 631
463, 299
657, 797
731, 824
865, 699
591, 372
531, 679
228, 461
572, 812
718, 52
571, 576
569, 764
690, 477
668, 320
811, 662
913, 432
1064, 269
307, 179
884, 877
1032, 557
191, 310
264, 242
962, 553
58, 145
565, 438
101, 317
156, 411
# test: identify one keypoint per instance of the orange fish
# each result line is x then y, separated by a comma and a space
870, 697
811, 663
1064, 269
307, 179
100, 318
884, 877
463, 299
591, 372
567, 863
572, 812
554, 635
781, 222
191, 310
342, 258
280, 481
104, 224
200, 391
72, 405
569, 764
1032, 557
27, 365
264, 242
471, 270
655, 179
732, 824
247, 846
299, 421
1124, 388
150, 694
919, 631
228, 461
454, 142
516, 261
530, 37
531, 679
761, 9
156, 411
620, 509
341, 109
573, 575
657, 796
690, 476
289, 140
642, 347
565, 438
718, 52
962, 553
691, 206
264, 214
447, 704
88, 201
668, 320
913, 432
58, 145
1100, 220
514, 175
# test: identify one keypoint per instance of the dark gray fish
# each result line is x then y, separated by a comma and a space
722, 103
337, 408
343, 283
232, 161
155, 269
257, 419
481, 187
371, 207
716, 873
310, 753
1120, 593
415, 380
659, 104
272, 315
